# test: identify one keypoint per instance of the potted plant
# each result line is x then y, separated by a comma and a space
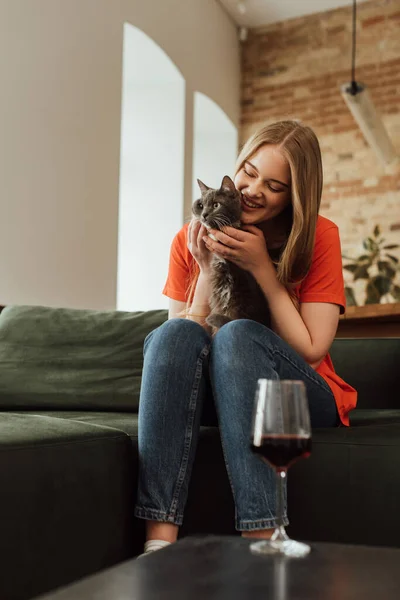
377, 267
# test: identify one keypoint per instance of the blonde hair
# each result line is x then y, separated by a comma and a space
299, 145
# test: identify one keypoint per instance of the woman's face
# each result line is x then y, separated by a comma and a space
264, 182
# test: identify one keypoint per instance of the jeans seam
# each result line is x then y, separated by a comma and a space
189, 429
228, 472
259, 524
157, 515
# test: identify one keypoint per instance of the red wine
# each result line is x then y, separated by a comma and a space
282, 450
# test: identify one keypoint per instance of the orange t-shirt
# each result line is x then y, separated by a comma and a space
323, 283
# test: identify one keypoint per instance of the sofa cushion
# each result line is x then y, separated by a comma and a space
67, 491
374, 416
121, 421
371, 366
69, 358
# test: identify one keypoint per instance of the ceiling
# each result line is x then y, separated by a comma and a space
263, 12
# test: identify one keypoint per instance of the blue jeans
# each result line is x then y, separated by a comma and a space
180, 361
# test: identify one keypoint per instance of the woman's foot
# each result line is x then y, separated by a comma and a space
154, 545
159, 535
168, 532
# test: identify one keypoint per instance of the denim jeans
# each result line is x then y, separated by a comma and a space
180, 360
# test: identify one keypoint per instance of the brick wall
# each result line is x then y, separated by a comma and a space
294, 69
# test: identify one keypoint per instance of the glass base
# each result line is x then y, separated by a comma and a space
286, 547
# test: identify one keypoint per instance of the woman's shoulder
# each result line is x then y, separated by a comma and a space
323, 225
181, 237
327, 241
179, 246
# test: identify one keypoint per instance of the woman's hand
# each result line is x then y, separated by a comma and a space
196, 245
245, 247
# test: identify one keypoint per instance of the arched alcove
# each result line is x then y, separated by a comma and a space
151, 170
215, 143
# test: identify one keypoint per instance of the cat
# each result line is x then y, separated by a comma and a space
235, 294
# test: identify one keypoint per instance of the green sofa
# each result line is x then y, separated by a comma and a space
69, 392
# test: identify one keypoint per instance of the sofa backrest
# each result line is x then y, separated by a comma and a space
372, 367
57, 358
61, 359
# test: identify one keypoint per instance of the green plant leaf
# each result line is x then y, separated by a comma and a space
386, 269
350, 297
350, 268
395, 291
364, 257
373, 295
393, 258
367, 244
361, 273
377, 231
382, 284
390, 246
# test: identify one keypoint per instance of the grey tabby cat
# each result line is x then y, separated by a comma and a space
235, 293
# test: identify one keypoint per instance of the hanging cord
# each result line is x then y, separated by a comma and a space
354, 88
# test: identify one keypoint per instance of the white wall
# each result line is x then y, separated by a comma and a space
60, 115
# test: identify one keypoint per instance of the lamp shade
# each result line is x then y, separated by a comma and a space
363, 110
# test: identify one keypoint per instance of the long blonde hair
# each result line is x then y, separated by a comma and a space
299, 145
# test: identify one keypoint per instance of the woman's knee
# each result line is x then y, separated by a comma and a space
241, 331
176, 338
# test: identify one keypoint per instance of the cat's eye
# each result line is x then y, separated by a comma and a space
216, 204
200, 205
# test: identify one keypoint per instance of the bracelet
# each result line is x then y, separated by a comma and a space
198, 316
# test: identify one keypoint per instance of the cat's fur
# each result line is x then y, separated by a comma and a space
235, 293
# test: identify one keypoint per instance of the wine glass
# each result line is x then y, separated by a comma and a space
281, 434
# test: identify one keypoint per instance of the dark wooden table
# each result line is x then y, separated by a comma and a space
222, 568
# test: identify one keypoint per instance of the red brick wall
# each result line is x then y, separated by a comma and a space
294, 69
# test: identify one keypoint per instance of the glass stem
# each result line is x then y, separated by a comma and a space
280, 533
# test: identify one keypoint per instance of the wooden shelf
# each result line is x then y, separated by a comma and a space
373, 311
372, 320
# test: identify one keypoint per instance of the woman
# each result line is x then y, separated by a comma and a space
279, 174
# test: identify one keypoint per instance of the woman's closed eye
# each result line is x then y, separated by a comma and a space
276, 190
267, 183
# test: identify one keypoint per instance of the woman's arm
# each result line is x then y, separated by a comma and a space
311, 331
175, 309
199, 308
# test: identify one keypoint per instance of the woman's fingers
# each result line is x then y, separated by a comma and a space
232, 241
220, 249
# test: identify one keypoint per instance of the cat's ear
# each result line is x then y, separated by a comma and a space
227, 184
203, 187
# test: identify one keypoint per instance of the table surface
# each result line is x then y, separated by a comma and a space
223, 568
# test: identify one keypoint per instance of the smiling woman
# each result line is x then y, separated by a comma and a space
265, 184
292, 253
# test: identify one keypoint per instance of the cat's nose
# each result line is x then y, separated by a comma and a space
204, 215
